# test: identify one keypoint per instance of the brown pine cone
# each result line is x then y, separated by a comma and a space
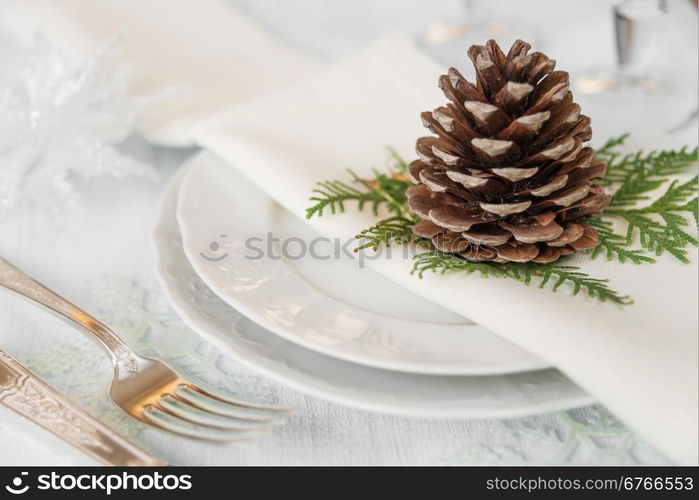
507, 177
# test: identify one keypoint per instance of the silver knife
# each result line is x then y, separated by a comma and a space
26, 394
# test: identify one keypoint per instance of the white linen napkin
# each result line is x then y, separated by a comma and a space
208, 54
639, 360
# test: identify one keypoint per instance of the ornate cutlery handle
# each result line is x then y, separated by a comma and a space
26, 394
17, 281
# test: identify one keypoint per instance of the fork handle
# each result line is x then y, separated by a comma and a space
17, 281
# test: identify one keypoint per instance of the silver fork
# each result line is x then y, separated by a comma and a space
149, 390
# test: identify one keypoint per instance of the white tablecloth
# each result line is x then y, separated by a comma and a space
102, 260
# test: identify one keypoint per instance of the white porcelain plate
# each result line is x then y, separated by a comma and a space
492, 396
273, 268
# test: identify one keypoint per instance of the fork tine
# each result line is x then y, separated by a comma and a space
189, 412
212, 391
214, 405
185, 428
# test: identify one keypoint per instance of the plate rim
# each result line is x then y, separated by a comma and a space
452, 369
577, 399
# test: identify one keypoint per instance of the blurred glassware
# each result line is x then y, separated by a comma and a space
448, 41
654, 48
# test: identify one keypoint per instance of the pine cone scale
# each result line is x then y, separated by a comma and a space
506, 176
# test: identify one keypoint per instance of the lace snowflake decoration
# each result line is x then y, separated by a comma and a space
61, 124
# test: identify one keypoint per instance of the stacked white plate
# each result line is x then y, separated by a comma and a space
232, 264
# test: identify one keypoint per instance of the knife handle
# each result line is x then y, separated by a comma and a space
26, 394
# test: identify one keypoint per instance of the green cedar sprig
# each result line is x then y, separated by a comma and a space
661, 225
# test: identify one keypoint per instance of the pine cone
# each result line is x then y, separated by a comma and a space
507, 177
